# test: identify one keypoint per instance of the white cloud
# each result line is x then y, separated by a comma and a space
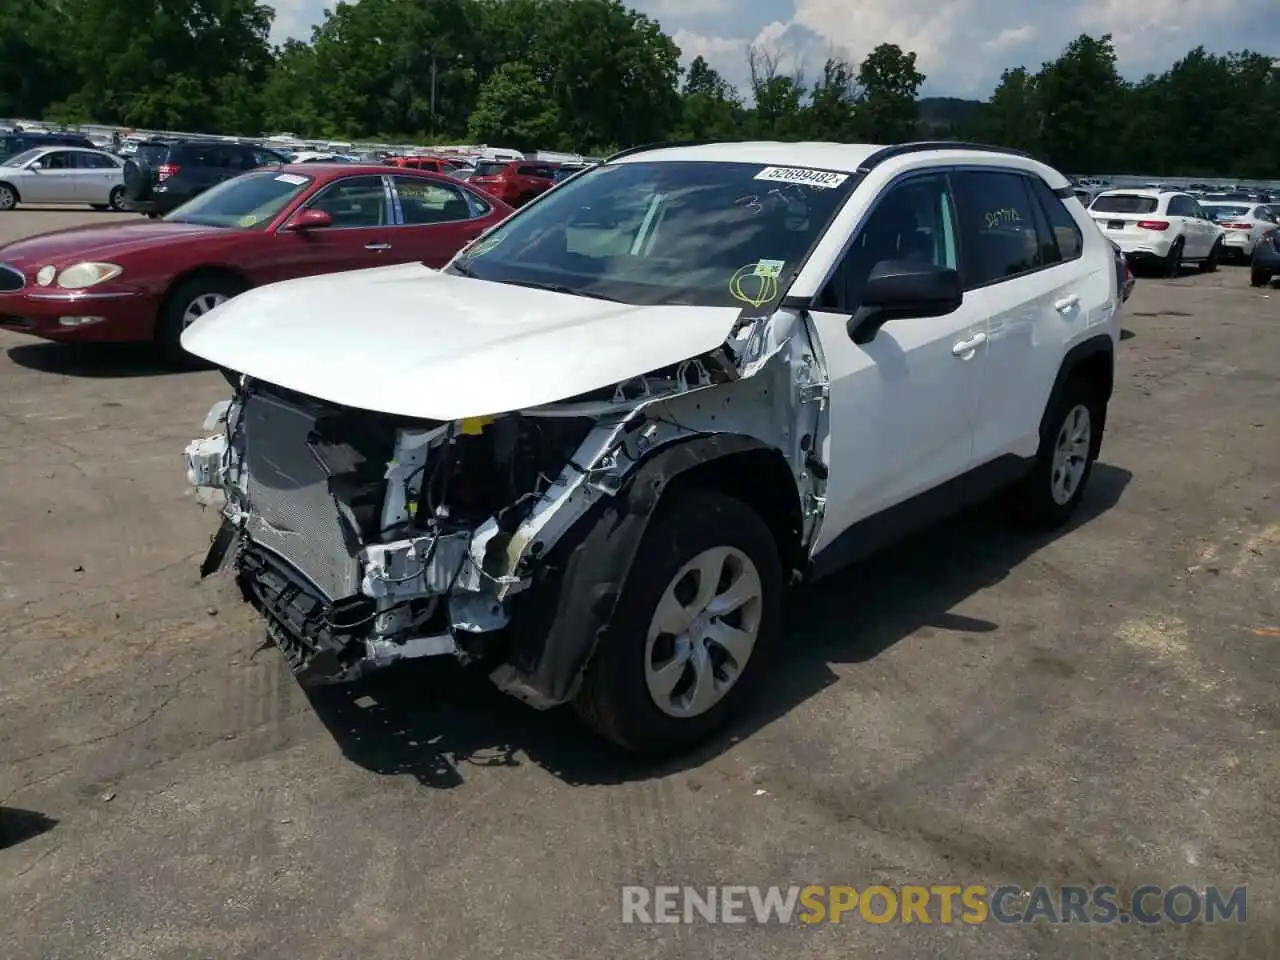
1010, 38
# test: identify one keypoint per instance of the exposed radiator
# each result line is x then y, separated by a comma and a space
291, 511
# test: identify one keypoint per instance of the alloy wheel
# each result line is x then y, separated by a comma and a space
703, 631
201, 305
1071, 454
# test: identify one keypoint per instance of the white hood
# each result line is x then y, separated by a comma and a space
411, 341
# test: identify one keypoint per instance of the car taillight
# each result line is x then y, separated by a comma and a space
1275, 239
1153, 224
166, 170
1237, 226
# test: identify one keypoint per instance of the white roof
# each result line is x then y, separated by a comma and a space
824, 156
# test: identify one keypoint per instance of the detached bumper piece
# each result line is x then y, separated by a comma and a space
322, 642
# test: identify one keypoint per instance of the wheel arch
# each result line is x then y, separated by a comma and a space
202, 270
558, 623
1092, 360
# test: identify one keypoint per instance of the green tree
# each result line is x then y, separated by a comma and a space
1082, 100
778, 113
709, 107
513, 110
1013, 116
888, 82
830, 114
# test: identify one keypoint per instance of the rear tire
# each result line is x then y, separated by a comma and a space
1210, 264
116, 199
184, 304
1070, 438
1259, 278
1172, 266
659, 689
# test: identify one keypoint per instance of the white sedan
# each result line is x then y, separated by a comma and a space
1245, 225
62, 175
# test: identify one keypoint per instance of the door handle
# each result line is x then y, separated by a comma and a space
1066, 303
965, 348
377, 246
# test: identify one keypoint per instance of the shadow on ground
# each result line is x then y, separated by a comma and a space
431, 719
19, 825
104, 361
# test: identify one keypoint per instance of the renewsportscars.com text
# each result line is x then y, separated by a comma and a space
939, 903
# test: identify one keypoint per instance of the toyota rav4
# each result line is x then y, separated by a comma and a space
589, 454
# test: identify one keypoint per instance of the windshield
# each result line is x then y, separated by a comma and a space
1226, 212
1124, 203
704, 234
490, 168
247, 202
26, 156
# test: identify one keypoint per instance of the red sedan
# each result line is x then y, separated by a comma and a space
149, 280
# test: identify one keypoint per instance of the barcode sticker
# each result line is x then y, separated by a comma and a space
803, 176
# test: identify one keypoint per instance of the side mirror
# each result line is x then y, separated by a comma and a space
309, 220
897, 289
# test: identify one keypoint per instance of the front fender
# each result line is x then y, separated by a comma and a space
557, 624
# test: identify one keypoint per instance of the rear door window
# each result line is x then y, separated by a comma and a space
153, 153
424, 202
999, 227
490, 168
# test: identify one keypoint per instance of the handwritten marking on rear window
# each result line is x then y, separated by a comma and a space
803, 175
1003, 218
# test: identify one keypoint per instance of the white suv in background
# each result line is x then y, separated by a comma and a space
1245, 224
588, 456
1159, 228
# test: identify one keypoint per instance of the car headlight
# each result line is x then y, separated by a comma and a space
83, 275
45, 275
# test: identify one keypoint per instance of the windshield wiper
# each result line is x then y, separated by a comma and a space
560, 288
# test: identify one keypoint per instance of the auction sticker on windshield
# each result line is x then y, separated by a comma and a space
812, 178
291, 178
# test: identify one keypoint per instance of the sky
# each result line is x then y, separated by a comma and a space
961, 45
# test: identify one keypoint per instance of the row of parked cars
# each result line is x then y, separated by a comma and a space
1160, 228
162, 174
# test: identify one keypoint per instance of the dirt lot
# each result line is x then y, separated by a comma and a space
972, 708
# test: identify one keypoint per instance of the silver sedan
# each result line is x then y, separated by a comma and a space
62, 175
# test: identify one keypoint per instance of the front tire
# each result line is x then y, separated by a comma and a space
8, 198
692, 627
185, 304
1070, 438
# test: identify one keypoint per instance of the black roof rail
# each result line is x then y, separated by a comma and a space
920, 146
646, 147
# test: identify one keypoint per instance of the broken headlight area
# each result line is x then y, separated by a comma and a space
355, 533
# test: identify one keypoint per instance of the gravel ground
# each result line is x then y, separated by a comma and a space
972, 708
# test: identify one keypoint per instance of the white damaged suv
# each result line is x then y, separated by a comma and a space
589, 455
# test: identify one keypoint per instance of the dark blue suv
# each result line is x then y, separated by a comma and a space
11, 144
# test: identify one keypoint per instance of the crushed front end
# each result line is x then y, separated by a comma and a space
355, 533
364, 538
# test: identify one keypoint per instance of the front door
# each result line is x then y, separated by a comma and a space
53, 179
901, 407
361, 235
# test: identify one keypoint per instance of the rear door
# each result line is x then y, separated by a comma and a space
362, 234
1023, 267
97, 174
436, 220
